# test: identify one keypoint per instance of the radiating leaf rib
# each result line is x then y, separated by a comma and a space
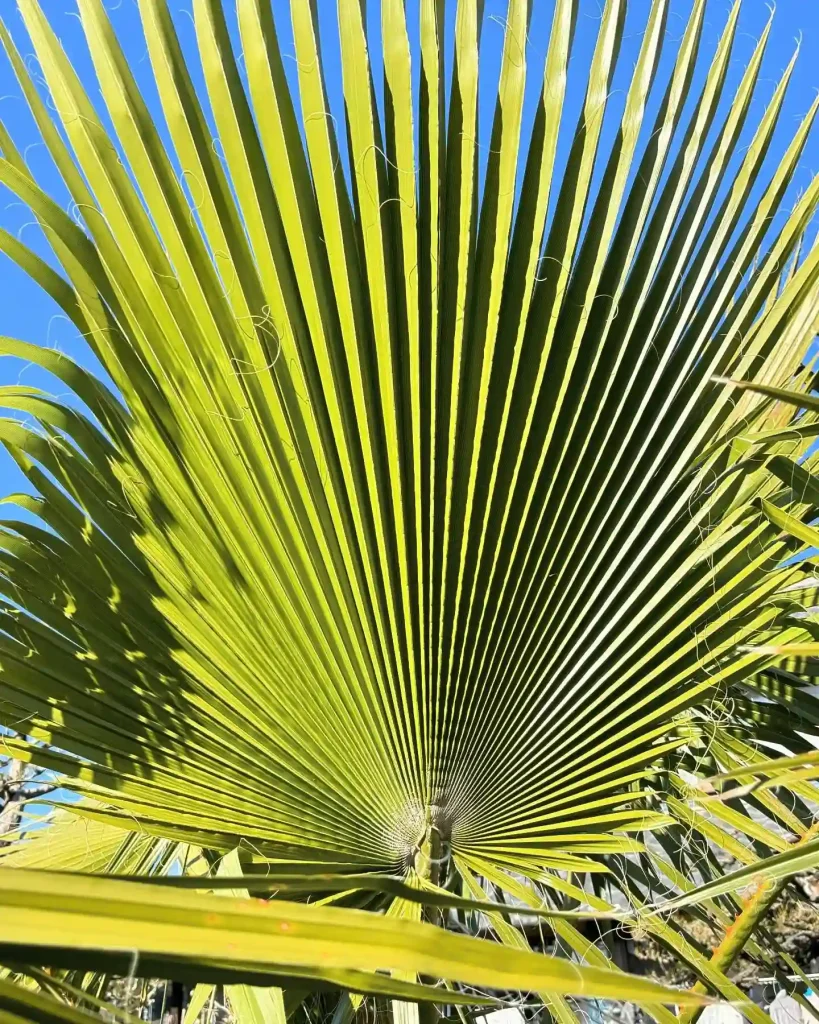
459, 226
368, 175
290, 179
633, 499
431, 216
524, 259
486, 287
402, 214
563, 239
337, 232
705, 113
243, 136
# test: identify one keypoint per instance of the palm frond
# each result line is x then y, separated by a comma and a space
420, 529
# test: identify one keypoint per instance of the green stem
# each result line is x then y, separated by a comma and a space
428, 867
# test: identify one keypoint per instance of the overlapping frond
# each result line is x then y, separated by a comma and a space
419, 508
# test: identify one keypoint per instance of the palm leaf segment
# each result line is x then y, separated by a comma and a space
423, 517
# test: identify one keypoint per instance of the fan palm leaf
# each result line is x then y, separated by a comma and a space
418, 534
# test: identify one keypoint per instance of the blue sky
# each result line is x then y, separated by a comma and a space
26, 313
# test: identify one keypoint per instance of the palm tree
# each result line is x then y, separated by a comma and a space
415, 563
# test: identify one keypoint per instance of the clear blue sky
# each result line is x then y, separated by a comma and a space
28, 314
